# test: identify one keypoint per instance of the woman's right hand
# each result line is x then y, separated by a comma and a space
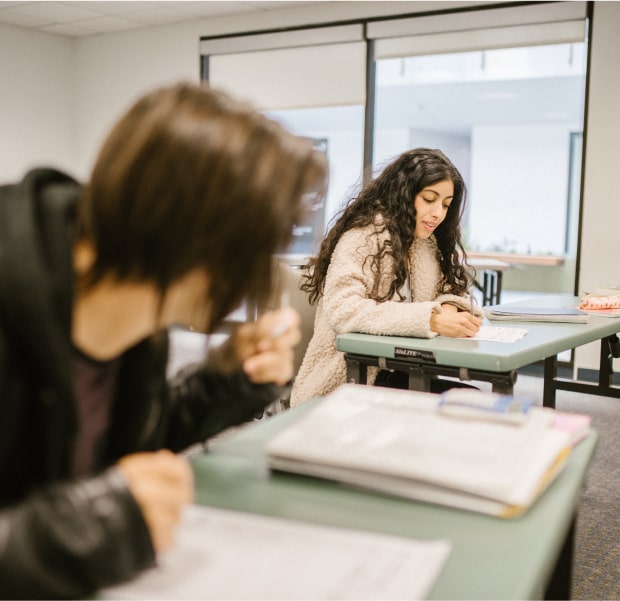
455, 324
162, 484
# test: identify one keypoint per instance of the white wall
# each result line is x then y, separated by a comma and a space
37, 101
600, 265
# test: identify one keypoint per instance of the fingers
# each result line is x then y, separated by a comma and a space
278, 328
274, 366
266, 346
455, 325
470, 324
162, 485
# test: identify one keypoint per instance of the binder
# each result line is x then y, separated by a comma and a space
556, 314
398, 442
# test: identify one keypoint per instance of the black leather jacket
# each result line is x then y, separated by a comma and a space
63, 538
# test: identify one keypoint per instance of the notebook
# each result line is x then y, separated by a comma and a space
398, 442
514, 313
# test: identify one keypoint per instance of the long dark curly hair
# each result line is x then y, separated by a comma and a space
391, 194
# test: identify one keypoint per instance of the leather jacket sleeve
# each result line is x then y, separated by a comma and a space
205, 402
68, 540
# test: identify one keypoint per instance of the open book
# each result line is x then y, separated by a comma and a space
398, 442
515, 313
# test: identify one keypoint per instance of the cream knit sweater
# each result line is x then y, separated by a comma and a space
346, 307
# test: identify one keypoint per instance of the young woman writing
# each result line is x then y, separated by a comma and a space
392, 264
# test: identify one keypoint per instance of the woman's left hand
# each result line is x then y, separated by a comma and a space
265, 346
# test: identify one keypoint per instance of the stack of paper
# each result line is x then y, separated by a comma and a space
222, 554
516, 313
398, 442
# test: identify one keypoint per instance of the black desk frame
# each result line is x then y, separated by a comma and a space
603, 387
491, 286
421, 372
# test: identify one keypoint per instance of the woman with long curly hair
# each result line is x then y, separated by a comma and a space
393, 263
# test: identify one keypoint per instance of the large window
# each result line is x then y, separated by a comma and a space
316, 90
500, 90
508, 119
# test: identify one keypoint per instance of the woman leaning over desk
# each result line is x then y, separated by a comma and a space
391, 265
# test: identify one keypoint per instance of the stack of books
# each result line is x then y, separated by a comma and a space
479, 457
512, 312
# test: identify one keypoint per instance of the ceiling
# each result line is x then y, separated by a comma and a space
83, 18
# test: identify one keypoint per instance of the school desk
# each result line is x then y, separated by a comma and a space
491, 558
495, 362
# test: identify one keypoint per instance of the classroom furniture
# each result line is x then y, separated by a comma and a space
517, 259
490, 284
495, 362
491, 558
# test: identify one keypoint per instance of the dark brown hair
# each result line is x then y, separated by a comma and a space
190, 178
391, 194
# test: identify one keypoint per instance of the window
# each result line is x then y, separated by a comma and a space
316, 90
500, 90
507, 118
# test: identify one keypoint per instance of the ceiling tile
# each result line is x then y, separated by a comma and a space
157, 16
81, 17
22, 20
55, 12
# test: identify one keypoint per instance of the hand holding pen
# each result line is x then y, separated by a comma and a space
262, 348
455, 322
472, 302
266, 346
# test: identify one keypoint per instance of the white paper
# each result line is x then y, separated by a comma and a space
400, 434
221, 554
499, 334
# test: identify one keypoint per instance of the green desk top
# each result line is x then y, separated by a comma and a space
491, 558
543, 339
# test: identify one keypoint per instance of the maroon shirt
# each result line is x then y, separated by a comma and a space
94, 386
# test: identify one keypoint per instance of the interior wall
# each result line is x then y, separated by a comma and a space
37, 99
600, 231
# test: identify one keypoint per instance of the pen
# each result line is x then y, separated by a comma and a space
283, 325
472, 301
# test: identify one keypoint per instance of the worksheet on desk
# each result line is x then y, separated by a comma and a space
499, 334
222, 554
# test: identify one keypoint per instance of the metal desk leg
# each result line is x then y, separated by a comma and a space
486, 289
502, 387
498, 288
551, 372
559, 586
357, 372
419, 380
606, 372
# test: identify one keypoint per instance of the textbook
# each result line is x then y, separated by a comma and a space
515, 313
399, 442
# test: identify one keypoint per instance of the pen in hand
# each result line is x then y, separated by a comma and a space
283, 325
472, 302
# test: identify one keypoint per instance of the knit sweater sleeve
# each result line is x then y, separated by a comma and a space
348, 286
